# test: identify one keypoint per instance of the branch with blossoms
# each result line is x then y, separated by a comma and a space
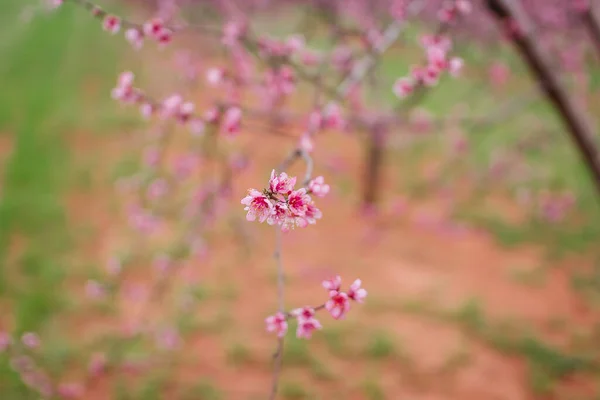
287, 202
591, 19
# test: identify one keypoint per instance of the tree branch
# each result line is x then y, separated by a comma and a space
580, 128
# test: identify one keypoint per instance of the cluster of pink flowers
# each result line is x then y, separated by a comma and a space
281, 48
174, 107
452, 10
24, 364
581, 5
437, 48
280, 204
337, 305
554, 207
135, 35
279, 83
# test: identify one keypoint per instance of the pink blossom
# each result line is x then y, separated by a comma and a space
135, 37
21, 363
464, 6
309, 58
315, 121
111, 24
94, 289
168, 339
214, 76
431, 75
295, 43
318, 187
70, 390
164, 37
333, 284
196, 126
258, 206
357, 293
447, 14
298, 202
304, 312
142, 220
30, 340
232, 120
311, 216
455, 66
97, 364
332, 117
158, 188
146, 109
5, 341
185, 112
277, 323
171, 106
212, 115
441, 42
124, 90
125, 79
403, 87
338, 304
342, 58
306, 327
232, 32
282, 184
54, 3
373, 37
436, 57
153, 27
398, 10
581, 5
280, 215
306, 143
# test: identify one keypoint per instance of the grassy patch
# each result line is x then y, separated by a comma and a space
380, 346
45, 64
239, 354
294, 391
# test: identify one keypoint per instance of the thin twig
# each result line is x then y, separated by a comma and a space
278, 356
362, 68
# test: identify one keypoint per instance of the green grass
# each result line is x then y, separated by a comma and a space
294, 391
203, 390
45, 64
372, 390
380, 346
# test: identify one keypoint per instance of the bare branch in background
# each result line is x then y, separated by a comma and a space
509, 12
591, 20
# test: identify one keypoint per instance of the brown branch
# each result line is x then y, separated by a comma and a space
592, 23
278, 356
579, 127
